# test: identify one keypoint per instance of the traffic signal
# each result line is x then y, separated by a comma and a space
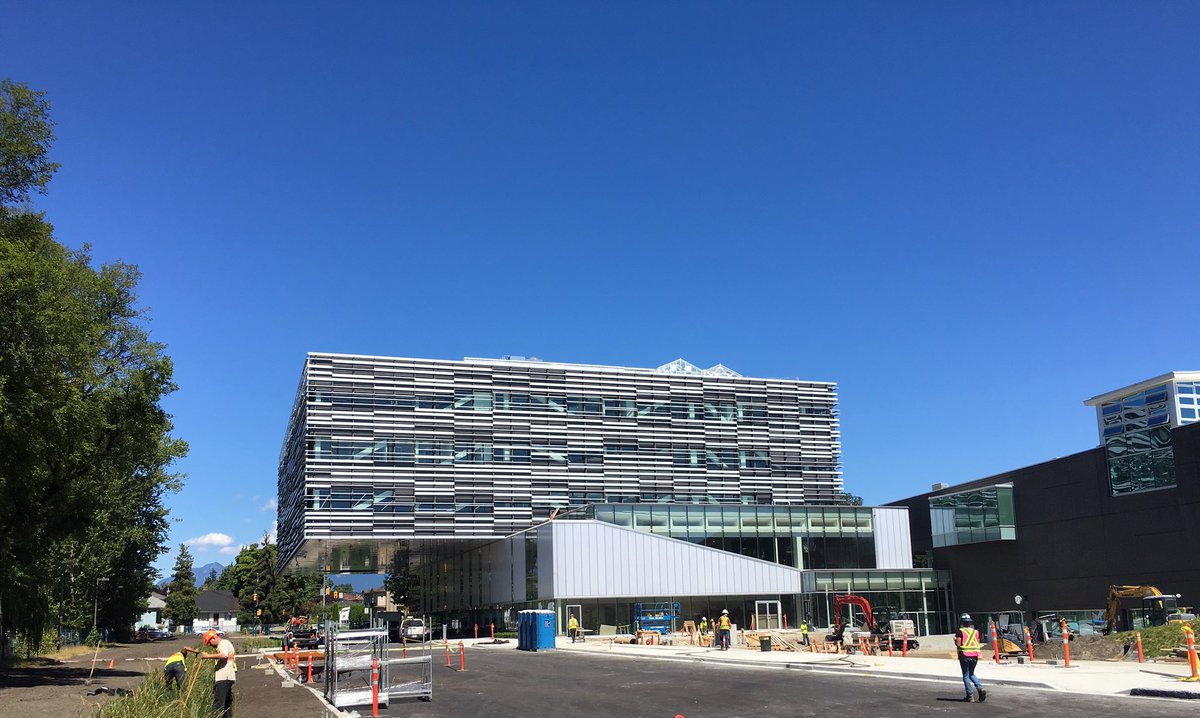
256, 597
258, 612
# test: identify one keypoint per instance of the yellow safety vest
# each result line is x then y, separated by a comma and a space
572, 624
804, 628
970, 642
724, 624
176, 657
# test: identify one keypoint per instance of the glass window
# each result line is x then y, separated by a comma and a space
972, 516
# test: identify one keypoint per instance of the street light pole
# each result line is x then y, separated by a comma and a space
96, 607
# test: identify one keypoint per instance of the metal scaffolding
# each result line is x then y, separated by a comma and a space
352, 656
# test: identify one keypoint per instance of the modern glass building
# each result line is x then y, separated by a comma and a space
509, 483
395, 448
1135, 425
768, 565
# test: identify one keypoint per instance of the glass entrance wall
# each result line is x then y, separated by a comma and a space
809, 537
921, 595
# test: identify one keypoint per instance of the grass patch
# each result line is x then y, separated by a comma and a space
49, 659
154, 699
253, 643
1158, 640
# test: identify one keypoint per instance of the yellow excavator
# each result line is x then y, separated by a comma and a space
1157, 609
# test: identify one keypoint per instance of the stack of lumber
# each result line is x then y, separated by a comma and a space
779, 642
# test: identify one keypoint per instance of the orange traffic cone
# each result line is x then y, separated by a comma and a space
112, 663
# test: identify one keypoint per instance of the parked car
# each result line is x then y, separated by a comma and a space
158, 634
414, 629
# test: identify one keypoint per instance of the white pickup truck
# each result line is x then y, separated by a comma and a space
414, 629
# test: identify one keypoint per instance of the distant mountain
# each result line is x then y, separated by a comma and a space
202, 572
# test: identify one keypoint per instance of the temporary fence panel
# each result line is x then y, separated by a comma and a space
352, 656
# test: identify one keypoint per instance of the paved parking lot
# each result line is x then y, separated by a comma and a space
560, 683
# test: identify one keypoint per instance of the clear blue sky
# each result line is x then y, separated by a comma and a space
972, 216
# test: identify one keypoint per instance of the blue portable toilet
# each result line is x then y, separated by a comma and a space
544, 630
524, 626
535, 630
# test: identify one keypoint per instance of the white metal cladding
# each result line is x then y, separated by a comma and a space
893, 545
593, 559
396, 448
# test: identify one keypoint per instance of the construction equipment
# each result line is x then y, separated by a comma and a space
1010, 632
658, 617
301, 634
1156, 607
897, 629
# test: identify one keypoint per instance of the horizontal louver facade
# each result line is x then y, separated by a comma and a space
396, 448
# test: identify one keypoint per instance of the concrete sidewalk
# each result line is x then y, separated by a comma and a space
1094, 677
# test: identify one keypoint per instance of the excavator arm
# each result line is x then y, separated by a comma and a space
1115, 594
839, 626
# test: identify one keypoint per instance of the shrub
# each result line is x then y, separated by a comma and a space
154, 699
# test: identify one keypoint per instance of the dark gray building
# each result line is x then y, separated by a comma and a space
1059, 533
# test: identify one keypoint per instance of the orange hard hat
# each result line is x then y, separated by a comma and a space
211, 637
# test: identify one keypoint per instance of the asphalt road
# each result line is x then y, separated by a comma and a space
558, 684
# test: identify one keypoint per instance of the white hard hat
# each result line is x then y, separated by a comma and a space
724, 610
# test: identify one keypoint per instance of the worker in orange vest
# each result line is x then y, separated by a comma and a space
723, 628
967, 641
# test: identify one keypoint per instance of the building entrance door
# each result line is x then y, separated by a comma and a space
767, 616
576, 610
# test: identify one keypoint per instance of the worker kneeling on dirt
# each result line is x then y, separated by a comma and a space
225, 675
174, 670
967, 641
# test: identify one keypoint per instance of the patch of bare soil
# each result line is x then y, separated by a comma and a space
1083, 648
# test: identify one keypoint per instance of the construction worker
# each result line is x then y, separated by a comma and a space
967, 641
704, 624
723, 629
174, 670
804, 631
573, 627
226, 674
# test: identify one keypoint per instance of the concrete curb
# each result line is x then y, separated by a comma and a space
1160, 693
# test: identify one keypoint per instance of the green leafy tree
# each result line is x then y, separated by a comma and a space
210, 583
401, 584
182, 592
848, 499
85, 445
26, 132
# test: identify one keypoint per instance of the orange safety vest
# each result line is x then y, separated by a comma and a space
968, 642
724, 624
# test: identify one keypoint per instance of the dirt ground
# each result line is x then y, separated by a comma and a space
1083, 648
58, 689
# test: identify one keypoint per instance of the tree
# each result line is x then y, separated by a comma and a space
26, 132
846, 498
181, 594
401, 584
85, 445
210, 582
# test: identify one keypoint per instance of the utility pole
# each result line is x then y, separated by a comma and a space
96, 607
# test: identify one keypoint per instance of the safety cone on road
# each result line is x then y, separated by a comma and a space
112, 663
